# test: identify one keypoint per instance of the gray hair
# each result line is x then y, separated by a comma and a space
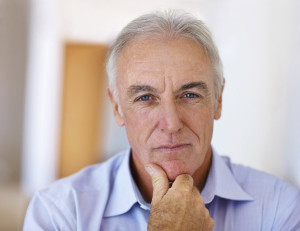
169, 24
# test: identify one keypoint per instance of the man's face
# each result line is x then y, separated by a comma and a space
167, 103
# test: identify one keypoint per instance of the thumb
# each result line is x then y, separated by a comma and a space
160, 181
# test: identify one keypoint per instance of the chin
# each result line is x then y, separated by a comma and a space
174, 169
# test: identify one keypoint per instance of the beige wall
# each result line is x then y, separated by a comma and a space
13, 43
82, 108
13, 35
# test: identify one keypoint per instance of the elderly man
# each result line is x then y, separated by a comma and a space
165, 86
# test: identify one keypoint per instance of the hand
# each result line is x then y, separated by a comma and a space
180, 207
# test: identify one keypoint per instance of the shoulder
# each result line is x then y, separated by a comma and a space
91, 178
80, 187
266, 189
275, 199
258, 180
62, 202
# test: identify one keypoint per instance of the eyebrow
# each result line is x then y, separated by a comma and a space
199, 85
135, 89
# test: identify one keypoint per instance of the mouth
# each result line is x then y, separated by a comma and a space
171, 148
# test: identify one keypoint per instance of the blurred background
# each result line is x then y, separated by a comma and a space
54, 115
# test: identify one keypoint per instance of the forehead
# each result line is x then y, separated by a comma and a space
152, 61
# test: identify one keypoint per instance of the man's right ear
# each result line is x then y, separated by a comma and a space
116, 108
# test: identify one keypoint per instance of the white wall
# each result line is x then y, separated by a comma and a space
258, 43
258, 126
43, 96
254, 38
292, 131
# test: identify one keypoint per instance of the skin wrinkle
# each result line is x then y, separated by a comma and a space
167, 71
166, 55
134, 90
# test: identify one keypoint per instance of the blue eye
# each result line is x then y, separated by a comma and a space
145, 98
190, 95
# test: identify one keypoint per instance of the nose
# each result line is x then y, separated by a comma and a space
170, 119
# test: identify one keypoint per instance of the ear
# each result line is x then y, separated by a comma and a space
218, 108
116, 108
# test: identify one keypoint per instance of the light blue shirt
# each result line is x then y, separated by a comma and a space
105, 197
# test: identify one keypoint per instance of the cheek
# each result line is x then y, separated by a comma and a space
200, 130
139, 125
199, 120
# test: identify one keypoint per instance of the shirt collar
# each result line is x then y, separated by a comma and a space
124, 192
222, 183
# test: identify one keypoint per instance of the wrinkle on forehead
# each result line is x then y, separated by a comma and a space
155, 63
135, 51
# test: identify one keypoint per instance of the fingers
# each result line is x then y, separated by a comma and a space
159, 181
183, 182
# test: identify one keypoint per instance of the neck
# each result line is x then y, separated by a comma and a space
144, 182
141, 178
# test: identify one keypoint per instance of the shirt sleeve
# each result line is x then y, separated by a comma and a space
44, 213
288, 210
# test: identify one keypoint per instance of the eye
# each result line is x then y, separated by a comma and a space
144, 98
190, 95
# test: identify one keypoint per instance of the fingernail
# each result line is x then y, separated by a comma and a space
149, 170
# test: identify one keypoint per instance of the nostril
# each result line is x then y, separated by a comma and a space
171, 123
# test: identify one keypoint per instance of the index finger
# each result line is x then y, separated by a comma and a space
160, 182
183, 182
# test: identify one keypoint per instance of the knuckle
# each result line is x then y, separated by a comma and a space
208, 221
211, 224
206, 213
185, 177
183, 182
196, 190
198, 200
